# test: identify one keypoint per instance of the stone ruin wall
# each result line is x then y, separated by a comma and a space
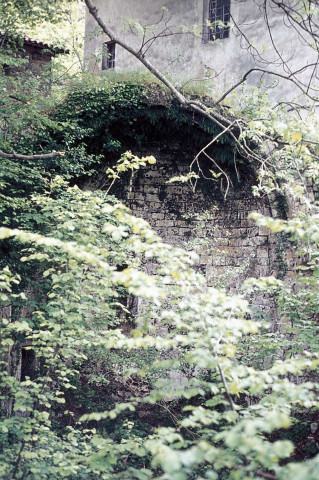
230, 247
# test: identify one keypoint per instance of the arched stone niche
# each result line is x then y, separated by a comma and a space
230, 246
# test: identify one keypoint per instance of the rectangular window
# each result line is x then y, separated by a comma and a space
108, 55
219, 18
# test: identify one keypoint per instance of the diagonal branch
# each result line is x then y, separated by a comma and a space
234, 127
137, 54
230, 400
184, 102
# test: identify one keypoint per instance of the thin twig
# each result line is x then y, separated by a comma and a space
230, 400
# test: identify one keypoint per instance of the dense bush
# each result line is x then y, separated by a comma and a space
223, 414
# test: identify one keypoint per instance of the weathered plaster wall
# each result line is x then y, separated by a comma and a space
186, 56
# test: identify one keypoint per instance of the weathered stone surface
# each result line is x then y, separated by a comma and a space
217, 228
230, 247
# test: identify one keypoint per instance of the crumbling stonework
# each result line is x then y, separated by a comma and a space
218, 229
230, 247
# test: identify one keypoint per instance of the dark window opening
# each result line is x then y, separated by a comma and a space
219, 18
28, 364
108, 57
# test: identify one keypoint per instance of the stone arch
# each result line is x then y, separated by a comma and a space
230, 247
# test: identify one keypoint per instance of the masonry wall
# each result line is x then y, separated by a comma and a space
230, 247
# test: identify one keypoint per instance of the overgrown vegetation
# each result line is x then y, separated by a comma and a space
190, 386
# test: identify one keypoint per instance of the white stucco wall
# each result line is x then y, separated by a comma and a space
186, 57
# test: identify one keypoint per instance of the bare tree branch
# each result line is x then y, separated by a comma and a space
290, 78
230, 400
305, 28
197, 107
43, 156
235, 128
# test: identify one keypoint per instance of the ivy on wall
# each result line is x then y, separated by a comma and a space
112, 118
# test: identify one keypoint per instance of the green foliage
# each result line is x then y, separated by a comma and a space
114, 117
94, 255
190, 385
128, 162
26, 119
287, 145
16, 13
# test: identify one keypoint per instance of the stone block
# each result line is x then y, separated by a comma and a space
262, 252
153, 206
151, 198
263, 261
205, 259
157, 216
150, 189
151, 173
172, 189
164, 223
